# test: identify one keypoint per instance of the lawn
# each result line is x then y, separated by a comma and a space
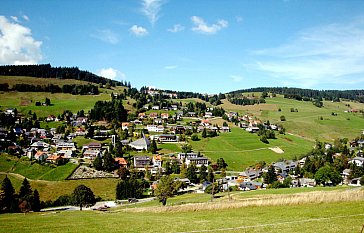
33, 170
241, 149
323, 217
25, 101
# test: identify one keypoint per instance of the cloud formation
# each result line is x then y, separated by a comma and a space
236, 78
138, 31
17, 46
171, 67
176, 28
111, 73
202, 27
106, 35
330, 54
151, 9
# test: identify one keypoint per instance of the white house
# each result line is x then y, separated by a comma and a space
359, 161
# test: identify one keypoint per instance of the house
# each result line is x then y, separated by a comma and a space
208, 114
125, 125
168, 138
250, 174
141, 115
199, 161
92, 146
247, 186
155, 107
121, 162
140, 144
225, 129
305, 182
66, 146
53, 158
174, 107
182, 156
81, 131
285, 166
179, 129
39, 145
41, 155
191, 114
51, 118
10, 111
358, 161
157, 161
164, 116
141, 161
153, 115
355, 182
91, 154
155, 128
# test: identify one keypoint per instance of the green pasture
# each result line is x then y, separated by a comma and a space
25, 101
306, 122
241, 149
323, 217
33, 170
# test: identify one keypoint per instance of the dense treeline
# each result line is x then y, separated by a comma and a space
308, 94
47, 71
109, 110
74, 89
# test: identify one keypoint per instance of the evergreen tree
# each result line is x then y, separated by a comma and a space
123, 173
270, 176
204, 133
183, 170
153, 147
98, 163
25, 190
202, 173
210, 175
7, 199
175, 167
36, 201
191, 173
109, 162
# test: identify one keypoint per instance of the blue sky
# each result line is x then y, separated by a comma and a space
206, 46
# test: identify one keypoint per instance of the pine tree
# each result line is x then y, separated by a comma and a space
109, 163
202, 173
7, 198
98, 163
153, 147
25, 190
191, 173
210, 175
204, 133
36, 201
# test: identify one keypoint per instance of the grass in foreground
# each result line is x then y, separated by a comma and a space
336, 216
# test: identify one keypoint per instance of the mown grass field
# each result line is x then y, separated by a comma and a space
241, 149
33, 170
51, 190
318, 216
307, 121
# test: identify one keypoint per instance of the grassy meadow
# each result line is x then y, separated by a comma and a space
33, 170
305, 212
241, 149
307, 121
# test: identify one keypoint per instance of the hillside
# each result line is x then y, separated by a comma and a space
324, 211
306, 122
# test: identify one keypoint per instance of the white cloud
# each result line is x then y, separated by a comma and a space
236, 78
138, 31
25, 17
202, 27
330, 54
17, 46
151, 9
111, 73
171, 67
15, 18
106, 35
176, 28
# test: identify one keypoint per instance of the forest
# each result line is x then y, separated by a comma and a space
47, 71
308, 94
